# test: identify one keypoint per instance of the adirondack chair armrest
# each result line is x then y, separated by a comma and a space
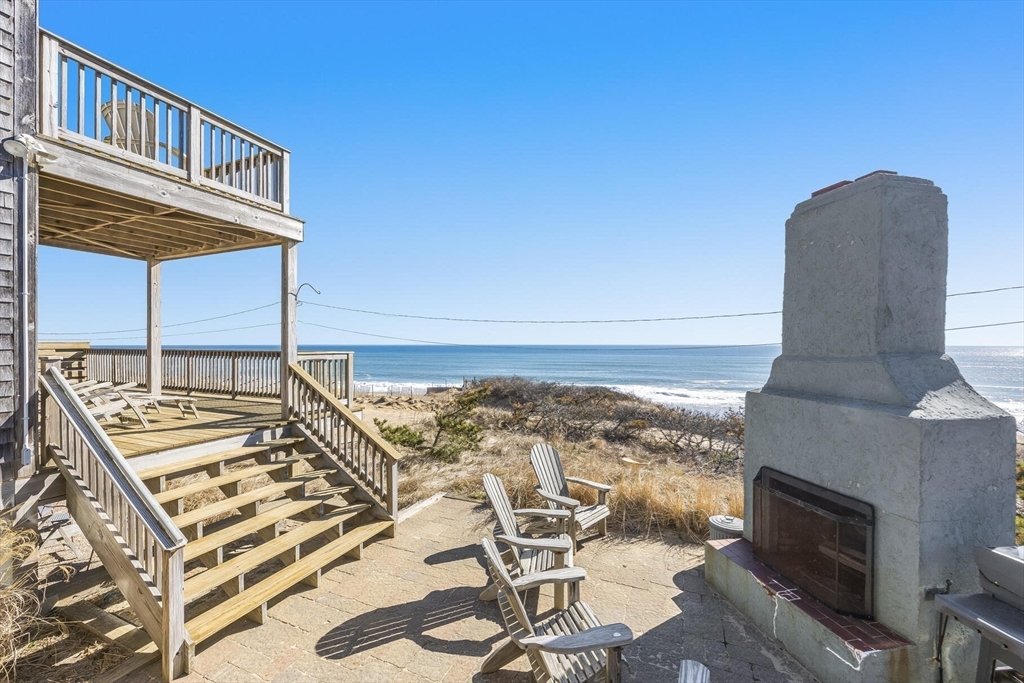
555, 545
542, 512
603, 488
571, 503
598, 638
551, 576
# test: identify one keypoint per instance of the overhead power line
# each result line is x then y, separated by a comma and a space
974, 327
543, 322
603, 348
985, 291
470, 320
189, 334
143, 329
591, 322
522, 346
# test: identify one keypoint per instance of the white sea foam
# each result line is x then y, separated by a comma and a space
715, 400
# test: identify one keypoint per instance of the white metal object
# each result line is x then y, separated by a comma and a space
724, 527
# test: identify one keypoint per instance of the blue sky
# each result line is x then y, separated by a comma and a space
566, 160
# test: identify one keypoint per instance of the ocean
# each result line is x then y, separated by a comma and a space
696, 377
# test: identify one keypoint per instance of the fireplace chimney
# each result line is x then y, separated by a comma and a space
864, 402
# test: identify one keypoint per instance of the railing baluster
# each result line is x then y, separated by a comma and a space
63, 91
81, 99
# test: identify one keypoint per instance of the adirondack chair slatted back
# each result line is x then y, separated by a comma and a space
498, 498
548, 468
580, 666
513, 611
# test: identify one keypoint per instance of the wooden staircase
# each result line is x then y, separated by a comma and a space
259, 520
200, 537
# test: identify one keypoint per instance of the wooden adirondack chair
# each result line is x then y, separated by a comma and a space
571, 645
554, 488
526, 555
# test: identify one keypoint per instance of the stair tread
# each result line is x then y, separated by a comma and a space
265, 552
212, 458
214, 482
234, 502
210, 622
265, 518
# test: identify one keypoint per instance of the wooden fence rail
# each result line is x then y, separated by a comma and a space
93, 103
141, 548
216, 371
364, 454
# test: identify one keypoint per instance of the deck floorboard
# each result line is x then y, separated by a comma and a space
219, 418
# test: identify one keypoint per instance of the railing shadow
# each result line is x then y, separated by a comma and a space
412, 621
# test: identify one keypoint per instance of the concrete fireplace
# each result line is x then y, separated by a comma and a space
864, 402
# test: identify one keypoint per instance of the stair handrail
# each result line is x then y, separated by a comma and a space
365, 456
138, 543
123, 476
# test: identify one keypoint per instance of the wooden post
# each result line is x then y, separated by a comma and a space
195, 146
49, 118
176, 648
285, 180
350, 369
154, 362
289, 333
48, 428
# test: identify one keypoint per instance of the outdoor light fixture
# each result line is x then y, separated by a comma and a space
16, 147
24, 146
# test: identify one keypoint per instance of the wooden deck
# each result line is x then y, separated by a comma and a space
218, 418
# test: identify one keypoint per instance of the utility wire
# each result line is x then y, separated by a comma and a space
974, 327
472, 320
187, 334
602, 348
542, 322
591, 322
527, 346
143, 329
985, 291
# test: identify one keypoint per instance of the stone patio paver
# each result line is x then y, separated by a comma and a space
408, 612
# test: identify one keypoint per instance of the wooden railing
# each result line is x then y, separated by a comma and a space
141, 548
364, 455
215, 371
96, 104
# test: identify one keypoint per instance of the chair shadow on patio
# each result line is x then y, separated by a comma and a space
413, 621
466, 552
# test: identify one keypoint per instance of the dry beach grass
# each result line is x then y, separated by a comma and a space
664, 481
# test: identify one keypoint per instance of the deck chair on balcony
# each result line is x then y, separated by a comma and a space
553, 486
118, 405
125, 116
525, 555
570, 645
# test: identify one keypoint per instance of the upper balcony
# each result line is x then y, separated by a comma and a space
143, 173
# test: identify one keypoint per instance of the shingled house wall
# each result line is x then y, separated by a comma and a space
19, 37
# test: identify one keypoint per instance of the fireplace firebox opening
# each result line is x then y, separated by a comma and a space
819, 539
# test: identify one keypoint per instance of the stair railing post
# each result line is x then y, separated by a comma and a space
176, 648
350, 364
392, 487
234, 374
48, 425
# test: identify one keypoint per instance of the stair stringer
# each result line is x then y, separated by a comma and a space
343, 476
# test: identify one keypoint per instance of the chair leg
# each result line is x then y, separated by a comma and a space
602, 527
504, 654
613, 665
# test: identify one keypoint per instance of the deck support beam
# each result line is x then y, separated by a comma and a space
154, 364
289, 301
